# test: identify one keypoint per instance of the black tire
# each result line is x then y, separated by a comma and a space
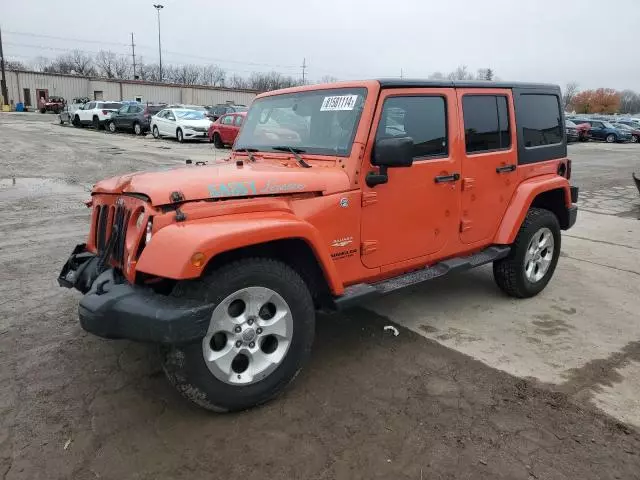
611, 138
509, 272
96, 123
635, 138
217, 140
184, 365
156, 132
76, 121
179, 135
137, 128
111, 127
60, 120
43, 110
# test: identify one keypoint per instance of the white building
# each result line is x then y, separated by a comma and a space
27, 87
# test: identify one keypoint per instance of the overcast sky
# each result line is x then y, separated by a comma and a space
529, 40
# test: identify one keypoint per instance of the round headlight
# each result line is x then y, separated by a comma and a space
147, 237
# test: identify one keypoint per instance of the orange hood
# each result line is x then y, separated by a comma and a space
227, 180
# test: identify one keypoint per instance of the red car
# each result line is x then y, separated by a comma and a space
225, 129
584, 130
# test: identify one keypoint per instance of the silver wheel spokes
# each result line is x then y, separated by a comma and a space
248, 337
539, 255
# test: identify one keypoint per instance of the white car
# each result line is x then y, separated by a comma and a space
95, 113
180, 123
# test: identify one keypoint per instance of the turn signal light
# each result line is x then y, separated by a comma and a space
197, 259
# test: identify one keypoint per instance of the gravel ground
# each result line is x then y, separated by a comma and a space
369, 405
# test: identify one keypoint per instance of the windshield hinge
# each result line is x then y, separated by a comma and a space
368, 246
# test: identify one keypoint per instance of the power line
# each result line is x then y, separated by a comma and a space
53, 37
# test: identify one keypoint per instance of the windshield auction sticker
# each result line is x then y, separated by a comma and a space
339, 102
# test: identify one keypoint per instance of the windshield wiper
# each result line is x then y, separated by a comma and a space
294, 152
249, 152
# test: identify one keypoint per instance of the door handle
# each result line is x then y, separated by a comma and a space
506, 169
454, 177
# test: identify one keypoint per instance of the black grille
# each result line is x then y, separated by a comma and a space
118, 220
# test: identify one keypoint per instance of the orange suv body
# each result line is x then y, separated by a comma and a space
353, 190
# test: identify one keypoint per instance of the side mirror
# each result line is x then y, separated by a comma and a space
390, 152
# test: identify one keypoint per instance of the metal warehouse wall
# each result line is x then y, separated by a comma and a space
70, 86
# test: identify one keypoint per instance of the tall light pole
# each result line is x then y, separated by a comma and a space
159, 7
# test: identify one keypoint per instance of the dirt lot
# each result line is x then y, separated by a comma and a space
498, 389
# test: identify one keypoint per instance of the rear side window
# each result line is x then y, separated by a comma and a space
424, 119
113, 106
238, 120
539, 116
486, 123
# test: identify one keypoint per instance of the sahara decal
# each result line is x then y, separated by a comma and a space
245, 189
232, 189
344, 254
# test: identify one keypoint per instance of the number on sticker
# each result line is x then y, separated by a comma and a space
339, 102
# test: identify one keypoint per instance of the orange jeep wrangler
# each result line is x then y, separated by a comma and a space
333, 194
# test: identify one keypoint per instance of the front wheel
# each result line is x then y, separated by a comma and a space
96, 123
635, 139
259, 336
611, 138
179, 135
155, 132
533, 256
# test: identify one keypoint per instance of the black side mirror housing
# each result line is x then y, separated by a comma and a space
390, 152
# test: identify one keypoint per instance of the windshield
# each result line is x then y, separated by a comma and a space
317, 121
190, 115
569, 123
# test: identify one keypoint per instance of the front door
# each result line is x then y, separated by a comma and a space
417, 212
597, 130
489, 161
43, 95
225, 128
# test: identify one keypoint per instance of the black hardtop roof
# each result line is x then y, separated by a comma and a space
418, 83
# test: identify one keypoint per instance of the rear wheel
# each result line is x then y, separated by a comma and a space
217, 141
611, 138
137, 129
533, 257
259, 336
635, 138
156, 132
111, 126
179, 135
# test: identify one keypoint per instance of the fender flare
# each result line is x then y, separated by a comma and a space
521, 201
169, 253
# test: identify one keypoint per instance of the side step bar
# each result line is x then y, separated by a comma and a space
361, 292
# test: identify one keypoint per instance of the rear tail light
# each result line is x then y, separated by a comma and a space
106, 112
568, 169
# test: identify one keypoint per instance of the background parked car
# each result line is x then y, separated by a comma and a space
635, 131
584, 130
226, 128
601, 130
216, 111
70, 109
181, 124
571, 130
95, 113
133, 117
53, 104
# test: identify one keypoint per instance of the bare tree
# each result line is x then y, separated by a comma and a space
82, 63
485, 74
182, 74
460, 73
40, 63
122, 67
328, 79
570, 91
14, 65
61, 64
213, 75
436, 76
629, 102
264, 82
236, 81
105, 62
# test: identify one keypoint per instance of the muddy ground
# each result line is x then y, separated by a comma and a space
369, 404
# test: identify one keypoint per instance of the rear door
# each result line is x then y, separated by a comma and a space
489, 161
416, 212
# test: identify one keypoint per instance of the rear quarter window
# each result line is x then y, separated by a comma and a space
540, 124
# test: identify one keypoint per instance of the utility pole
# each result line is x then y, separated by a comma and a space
401, 75
304, 70
159, 7
3, 81
133, 54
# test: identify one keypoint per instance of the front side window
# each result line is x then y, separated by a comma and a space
424, 119
228, 120
541, 120
320, 122
486, 123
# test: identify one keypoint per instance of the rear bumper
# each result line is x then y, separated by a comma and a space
113, 308
572, 211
